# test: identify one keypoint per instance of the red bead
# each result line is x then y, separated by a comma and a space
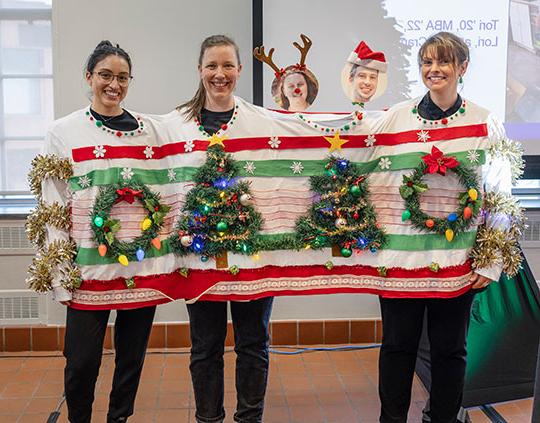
224, 126
156, 208
139, 131
118, 134
409, 183
444, 121
106, 229
91, 118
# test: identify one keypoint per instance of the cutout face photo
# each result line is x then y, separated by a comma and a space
296, 89
364, 83
364, 77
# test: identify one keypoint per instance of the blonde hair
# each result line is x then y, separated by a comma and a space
447, 46
194, 106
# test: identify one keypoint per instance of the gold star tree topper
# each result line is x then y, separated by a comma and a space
216, 140
335, 142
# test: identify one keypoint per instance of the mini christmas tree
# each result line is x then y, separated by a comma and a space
341, 215
218, 215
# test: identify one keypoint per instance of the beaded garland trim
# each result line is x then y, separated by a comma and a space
358, 116
100, 125
223, 127
443, 121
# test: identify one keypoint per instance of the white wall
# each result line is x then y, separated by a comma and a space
163, 38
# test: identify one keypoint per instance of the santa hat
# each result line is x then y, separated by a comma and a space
364, 56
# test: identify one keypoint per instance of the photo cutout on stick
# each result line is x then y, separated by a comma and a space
295, 87
364, 76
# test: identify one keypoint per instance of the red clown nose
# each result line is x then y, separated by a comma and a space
297, 91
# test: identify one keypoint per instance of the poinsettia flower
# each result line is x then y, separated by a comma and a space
437, 163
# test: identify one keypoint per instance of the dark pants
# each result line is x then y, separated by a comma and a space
85, 331
448, 323
536, 399
208, 326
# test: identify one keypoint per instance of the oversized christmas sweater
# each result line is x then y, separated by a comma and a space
323, 196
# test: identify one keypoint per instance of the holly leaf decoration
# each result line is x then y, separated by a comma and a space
420, 187
150, 204
463, 198
157, 217
109, 237
405, 191
164, 208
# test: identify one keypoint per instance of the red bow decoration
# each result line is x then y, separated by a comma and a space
436, 162
127, 194
280, 73
300, 67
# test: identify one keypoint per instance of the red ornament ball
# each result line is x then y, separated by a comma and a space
444, 121
224, 127
118, 134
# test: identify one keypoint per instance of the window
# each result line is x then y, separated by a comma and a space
26, 89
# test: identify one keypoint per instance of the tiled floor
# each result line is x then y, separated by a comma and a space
309, 387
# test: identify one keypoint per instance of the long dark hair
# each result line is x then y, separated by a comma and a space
193, 107
104, 49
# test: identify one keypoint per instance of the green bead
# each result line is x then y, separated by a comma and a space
222, 226
346, 127
99, 123
415, 110
87, 113
355, 190
462, 110
346, 252
327, 129
354, 123
406, 215
201, 128
98, 221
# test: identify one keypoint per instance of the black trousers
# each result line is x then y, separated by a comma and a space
83, 349
208, 327
448, 323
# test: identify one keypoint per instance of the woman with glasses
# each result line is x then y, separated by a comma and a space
101, 126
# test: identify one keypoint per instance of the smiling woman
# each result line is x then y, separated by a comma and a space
102, 126
210, 115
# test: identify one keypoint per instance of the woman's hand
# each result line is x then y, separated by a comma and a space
479, 281
66, 303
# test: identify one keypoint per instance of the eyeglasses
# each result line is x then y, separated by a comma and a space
108, 77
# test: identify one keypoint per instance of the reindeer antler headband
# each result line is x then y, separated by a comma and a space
259, 54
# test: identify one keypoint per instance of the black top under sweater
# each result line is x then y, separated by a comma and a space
429, 110
123, 122
212, 121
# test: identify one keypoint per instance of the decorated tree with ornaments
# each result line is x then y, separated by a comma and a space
341, 214
218, 215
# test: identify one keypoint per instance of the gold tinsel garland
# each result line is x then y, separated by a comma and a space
48, 166
57, 257
511, 151
46, 214
495, 246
